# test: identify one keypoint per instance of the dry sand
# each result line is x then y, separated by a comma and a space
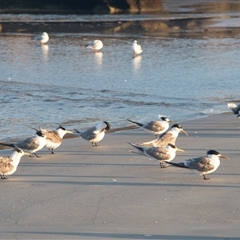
108, 192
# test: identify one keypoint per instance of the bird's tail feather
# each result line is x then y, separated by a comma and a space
8, 144
137, 147
139, 124
181, 165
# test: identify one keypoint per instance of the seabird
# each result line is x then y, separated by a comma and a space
42, 38
168, 137
54, 138
96, 45
235, 108
155, 127
136, 48
95, 134
31, 144
202, 165
8, 165
162, 154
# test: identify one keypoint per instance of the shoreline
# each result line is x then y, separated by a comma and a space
109, 192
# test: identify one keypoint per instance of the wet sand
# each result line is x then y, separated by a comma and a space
109, 192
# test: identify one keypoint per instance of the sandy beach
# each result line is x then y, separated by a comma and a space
109, 192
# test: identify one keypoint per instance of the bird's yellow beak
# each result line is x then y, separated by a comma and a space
180, 150
184, 132
68, 131
27, 154
222, 156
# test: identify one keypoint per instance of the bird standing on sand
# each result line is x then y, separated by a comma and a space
202, 165
31, 144
162, 154
96, 45
168, 137
155, 127
42, 38
137, 49
95, 134
54, 138
235, 108
8, 165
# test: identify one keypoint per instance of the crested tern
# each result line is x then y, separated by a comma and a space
42, 38
235, 108
94, 134
54, 138
31, 144
168, 137
162, 154
9, 164
203, 165
137, 49
155, 127
96, 45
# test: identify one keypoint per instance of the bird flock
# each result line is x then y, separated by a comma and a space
95, 45
162, 148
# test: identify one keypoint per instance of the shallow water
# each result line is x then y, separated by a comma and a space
65, 83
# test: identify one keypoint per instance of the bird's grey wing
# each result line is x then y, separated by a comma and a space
165, 139
5, 164
88, 134
201, 164
29, 144
154, 126
159, 153
53, 136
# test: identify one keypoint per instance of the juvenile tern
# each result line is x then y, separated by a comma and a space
96, 45
137, 49
168, 137
155, 127
203, 165
54, 138
235, 108
8, 165
162, 154
42, 38
95, 134
31, 144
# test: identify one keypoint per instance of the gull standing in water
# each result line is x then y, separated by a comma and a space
202, 165
42, 38
96, 45
8, 165
155, 127
31, 144
54, 138
137, 49
95, 134
162, 154
168, 137
235, 108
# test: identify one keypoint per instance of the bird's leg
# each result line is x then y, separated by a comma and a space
162, 165
94, 144
36, 155
156, 135
205, 178
3, 177
52, 151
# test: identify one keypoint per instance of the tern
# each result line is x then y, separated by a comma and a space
162, 154
136, 48
31, 144
8, 165
42, 38
235, 108
203, 165
96, 45
155, 127
54, 138
94, 134
168, 137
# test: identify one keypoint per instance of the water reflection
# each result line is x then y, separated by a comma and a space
45, 50
137, 62
98, 58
